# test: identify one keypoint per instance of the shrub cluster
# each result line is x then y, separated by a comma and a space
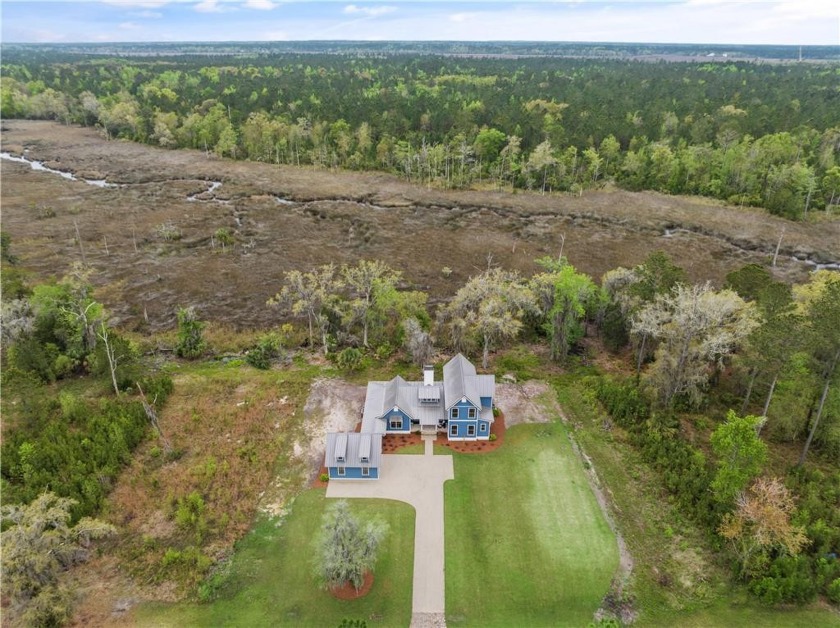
74, 448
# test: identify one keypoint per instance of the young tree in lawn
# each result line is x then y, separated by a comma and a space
823, 319
347, 546
696, 327
762, 523
38, 544
490, 308
368, 280
741, 455
563, 295
313, 294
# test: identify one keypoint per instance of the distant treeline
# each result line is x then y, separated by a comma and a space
749, 133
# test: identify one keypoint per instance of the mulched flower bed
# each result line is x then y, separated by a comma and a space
348, 592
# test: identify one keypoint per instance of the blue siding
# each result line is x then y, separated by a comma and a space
483, 429
405, 422
463, 410
463, 430
353, 473
486, 402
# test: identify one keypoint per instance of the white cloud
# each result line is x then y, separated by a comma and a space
462, 17
143, 4
208, 6
260, 5
369, 11
147, 14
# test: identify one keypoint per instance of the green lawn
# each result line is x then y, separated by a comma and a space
526, 543
272, 583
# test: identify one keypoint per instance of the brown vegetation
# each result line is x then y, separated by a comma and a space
152, 249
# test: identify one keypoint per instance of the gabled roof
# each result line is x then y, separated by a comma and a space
392, 393
356, 445
459, 381
374, 402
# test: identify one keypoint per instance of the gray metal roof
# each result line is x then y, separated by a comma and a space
392, 392
486, 385
356, 444
427, 404
459, 381
374, 402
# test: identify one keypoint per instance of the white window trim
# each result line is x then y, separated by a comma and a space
453, 413
342, 471
471, 413
395, 424
453, 430
471, 430
365, 472
482, 427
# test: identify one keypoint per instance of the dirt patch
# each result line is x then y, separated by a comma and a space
333, 405
528, 402
152, 249
348, 592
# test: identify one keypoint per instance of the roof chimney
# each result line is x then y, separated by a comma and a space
428, 375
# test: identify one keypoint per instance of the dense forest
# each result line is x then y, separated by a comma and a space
760, 134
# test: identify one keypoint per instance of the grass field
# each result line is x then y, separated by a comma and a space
271, 580
526, 543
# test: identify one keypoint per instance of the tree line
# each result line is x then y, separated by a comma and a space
750, 134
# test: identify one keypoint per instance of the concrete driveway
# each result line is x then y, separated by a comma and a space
416, 480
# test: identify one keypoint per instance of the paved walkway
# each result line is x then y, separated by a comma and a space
416, 480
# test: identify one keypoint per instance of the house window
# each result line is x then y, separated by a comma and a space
483, 427
339, 458
471, 430
341, 472
453, 430
453, 413
365, 459
365, 472
396, 424
471, 413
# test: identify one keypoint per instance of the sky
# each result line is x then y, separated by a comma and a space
791, 22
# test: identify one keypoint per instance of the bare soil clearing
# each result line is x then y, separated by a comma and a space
285, 218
